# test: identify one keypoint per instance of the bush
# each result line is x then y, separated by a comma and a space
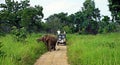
67, 29
19, 34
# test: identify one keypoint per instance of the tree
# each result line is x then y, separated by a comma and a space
114, 7
20, 15
57, 21
104, 25
31, 18
87, 19
53, 24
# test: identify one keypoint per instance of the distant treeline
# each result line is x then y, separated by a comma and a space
17, 15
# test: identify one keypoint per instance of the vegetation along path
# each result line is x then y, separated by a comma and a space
57, 57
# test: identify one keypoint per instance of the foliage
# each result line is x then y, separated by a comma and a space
53, 24
101, 49
19, 34
57, 21
20, 14
114, 7
21, 54
86, 21
67, 29
2, 53
88, 18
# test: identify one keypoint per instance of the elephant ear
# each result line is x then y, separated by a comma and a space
43, 39
47, 38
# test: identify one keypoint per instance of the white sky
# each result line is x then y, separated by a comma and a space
68, 6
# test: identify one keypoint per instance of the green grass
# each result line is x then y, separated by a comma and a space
21, 53
101, 49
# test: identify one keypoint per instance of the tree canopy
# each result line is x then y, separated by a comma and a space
20, 14
86, 21
114, 7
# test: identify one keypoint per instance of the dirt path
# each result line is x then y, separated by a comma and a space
57, 57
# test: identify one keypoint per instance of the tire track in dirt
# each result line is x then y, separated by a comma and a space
57, 57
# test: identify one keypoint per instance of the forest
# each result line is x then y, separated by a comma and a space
16, 15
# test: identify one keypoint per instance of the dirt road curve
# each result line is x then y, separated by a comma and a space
57, 57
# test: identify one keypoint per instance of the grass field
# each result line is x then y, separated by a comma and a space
20, 53
101, 49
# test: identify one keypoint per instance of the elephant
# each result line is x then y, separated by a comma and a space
49, 40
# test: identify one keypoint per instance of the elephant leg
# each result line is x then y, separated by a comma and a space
54, 47
49, 46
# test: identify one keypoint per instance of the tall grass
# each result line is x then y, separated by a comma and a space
21, 53
101, 49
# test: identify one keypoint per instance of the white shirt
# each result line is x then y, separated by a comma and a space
58, 32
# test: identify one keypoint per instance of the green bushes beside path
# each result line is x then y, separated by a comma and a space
101, 49
20, 53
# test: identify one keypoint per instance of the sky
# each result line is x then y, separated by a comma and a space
68, 6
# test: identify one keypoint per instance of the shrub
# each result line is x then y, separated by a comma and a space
19, 34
